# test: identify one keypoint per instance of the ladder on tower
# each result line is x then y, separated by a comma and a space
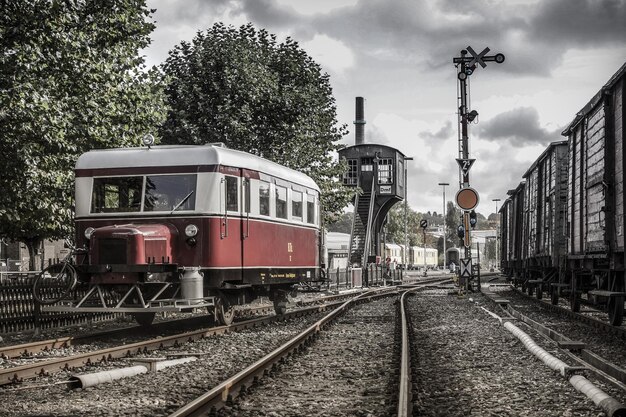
361, 233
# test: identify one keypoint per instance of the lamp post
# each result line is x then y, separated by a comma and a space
497, 228
443, 185
406, 233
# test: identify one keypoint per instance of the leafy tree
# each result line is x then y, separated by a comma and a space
453, 220
71, 79
244, 88
395, 226
343, 224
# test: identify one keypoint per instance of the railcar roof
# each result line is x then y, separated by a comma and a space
188, 155
543, 155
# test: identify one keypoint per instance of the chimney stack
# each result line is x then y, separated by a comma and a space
359, 122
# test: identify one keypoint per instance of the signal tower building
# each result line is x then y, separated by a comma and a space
379, 173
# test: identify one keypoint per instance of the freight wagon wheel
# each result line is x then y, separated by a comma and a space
574, 301
529, 289
539, 292
54, 283
144, 319
280, 307
616, 310
224, 313
554, 296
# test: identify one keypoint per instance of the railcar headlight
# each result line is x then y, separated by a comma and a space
88, 232
191, 230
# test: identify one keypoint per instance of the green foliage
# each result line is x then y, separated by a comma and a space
243, 88
342, 224
70, 80
396, 226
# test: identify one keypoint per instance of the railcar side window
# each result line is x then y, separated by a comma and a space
296, 205
264, 198
116, 195
310, 209
168, 192
232, 194
281, 202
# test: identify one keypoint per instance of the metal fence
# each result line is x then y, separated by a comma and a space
372, 276
19, 311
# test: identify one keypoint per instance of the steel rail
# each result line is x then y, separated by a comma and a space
237, 384
19, 373
405, 386
35, 347
619, 331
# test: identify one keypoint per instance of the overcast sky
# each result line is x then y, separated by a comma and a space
398, 55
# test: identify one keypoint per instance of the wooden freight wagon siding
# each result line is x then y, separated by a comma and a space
596, 172
546, 197
594, 143
618, 138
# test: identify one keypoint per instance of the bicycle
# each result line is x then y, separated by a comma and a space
56, 281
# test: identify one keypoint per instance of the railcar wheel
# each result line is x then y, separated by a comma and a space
616, 310
539, 292
529, 289
224, 313
554, 296
144, 319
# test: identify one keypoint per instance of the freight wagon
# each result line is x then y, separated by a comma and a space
562, 229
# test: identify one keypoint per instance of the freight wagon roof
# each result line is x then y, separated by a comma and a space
188, 155
595, 100
543, 155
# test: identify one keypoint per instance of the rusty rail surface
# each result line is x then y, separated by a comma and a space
19, 373
218, 396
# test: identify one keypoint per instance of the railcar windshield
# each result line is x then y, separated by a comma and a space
166, 192
116, 195
160, 193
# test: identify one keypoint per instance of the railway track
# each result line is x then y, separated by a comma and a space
588, 315
224, 393
465, 362
158, 328
588, 367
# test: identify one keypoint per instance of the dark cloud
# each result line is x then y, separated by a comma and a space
534, 37
583, 23
519, 126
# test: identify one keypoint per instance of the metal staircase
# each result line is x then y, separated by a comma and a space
361, 233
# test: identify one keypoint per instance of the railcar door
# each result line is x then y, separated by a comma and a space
232, 224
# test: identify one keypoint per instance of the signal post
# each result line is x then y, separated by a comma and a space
467, 198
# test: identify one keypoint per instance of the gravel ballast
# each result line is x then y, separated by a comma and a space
468, 364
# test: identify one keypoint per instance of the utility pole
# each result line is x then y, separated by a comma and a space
497, 229
443, 185
467, 197
406, 232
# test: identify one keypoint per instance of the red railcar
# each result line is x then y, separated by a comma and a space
169, 228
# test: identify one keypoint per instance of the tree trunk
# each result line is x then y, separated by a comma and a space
34, 246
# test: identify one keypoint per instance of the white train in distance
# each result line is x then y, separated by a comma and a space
415, 258
337, 247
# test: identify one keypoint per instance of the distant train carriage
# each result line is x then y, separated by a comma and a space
394, 253
545, 206
417, 259
512, 232
167, 228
